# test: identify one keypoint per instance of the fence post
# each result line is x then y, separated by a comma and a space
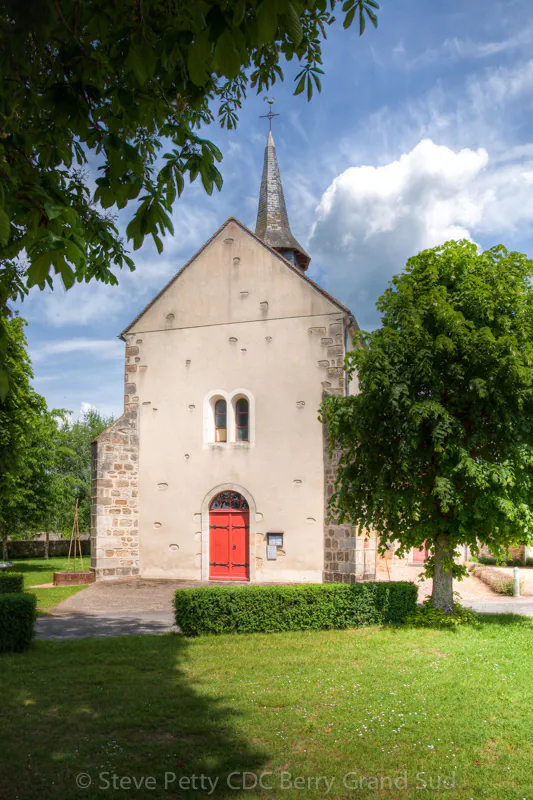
516, 582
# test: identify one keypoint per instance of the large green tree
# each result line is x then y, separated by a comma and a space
438, 444
27, 432
72, 468
45, 455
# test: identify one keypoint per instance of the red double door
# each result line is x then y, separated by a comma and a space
229, 550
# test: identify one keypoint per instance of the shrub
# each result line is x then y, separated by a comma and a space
269, 609
498, 581
17, 618
491, 561
426, 616
11, 582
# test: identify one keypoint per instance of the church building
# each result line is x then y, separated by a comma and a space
219, 468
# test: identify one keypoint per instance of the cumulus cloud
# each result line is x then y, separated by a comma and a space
371, 219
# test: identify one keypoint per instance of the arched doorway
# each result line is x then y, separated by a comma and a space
229, 527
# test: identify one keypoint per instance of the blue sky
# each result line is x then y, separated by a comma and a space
423, 133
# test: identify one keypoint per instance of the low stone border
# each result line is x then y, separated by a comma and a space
73, 578
498, 582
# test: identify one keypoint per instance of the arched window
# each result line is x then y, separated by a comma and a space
227, 500
221, 426
242, 416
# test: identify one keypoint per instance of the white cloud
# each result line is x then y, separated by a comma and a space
463, 48
371, 219
106, 349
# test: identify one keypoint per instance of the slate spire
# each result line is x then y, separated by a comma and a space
272, 221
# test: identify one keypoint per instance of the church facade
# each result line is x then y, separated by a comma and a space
219, 468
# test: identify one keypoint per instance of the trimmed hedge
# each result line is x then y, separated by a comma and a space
17, 618
310, 607
11, 582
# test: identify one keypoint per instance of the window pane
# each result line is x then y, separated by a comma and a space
221, 435
241, 420
220, 420
221, 501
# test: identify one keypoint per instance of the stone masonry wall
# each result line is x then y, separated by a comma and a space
348, 556
115, 486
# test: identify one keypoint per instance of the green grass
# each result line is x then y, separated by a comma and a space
37, 571
448, 706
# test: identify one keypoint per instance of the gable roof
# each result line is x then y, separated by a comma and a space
271, 250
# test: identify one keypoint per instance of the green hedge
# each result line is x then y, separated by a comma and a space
11, 582
314, 607
17, 618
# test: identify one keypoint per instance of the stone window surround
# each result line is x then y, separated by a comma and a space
231, 399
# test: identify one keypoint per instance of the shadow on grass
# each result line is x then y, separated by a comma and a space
24, 565
123, 707
505, 620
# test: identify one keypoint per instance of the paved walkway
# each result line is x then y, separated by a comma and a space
470, 589
138, 607
125, 623
509, 605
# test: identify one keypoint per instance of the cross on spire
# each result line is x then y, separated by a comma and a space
270, 116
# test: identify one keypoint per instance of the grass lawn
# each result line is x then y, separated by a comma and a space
37, 571
451, 710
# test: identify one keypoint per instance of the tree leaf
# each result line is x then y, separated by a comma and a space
227, 56
349, 18
294, 25
301, 85
199, 62
5, 228
267, 21
4, 384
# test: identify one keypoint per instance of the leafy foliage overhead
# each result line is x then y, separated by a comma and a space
439, 441
114, 82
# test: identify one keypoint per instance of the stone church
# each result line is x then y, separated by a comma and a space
219, 469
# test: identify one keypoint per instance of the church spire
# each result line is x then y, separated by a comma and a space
272, 220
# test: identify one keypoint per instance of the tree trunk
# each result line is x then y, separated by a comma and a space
442, 596
5, 554
46, 545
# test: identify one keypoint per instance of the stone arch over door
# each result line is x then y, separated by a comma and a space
223, 487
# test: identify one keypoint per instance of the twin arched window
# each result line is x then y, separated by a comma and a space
242, 420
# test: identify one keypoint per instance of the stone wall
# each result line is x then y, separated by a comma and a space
35, 548
114, 511
515, 553
348, 556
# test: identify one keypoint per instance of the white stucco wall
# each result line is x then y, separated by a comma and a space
237, 319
